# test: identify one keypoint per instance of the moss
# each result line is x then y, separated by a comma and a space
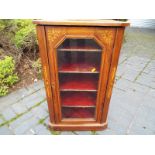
21, 114
74, 133
55, 132
41, 121
93, 133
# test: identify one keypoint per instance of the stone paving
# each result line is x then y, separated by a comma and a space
132, 107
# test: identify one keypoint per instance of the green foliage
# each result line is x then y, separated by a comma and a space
6, 25
25, 32
21, 32
37, 67
3, 90
7, 75
17, 41
2, 25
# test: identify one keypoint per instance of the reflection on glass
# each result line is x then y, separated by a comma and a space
78, 68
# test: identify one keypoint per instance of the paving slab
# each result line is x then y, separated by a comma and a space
19, 108
132, 106
1, 120
30, 132
41, 130
83, 132
4, 130
39, 112
32, 100
8, 113
67, 133
18, 121
25, 126
106, 132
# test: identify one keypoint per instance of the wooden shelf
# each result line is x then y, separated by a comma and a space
80, 49
78, 99
74, 82
77, 106
79, 67
78, 90
78, 112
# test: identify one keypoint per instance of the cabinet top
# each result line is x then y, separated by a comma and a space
99, 22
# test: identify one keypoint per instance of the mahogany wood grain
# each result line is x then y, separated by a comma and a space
108, 34
78, 127
113, 68
45, 70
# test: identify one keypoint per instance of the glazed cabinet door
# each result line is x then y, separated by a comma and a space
79, 59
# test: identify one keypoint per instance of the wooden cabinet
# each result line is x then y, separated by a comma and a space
79, 60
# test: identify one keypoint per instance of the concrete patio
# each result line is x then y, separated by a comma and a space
132, 107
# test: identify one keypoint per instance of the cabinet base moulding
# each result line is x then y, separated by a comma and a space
78, 127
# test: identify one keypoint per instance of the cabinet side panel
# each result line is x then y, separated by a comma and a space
112, 73
107, 37
45, 69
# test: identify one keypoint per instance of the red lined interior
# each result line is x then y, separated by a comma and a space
78, 98
78, 82
78, 60
79, 48
78, 112
79, 67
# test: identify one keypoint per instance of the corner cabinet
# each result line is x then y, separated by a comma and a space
79, 61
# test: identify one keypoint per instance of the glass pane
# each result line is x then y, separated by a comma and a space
78, 68
75, 112
78, 99
78, 82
